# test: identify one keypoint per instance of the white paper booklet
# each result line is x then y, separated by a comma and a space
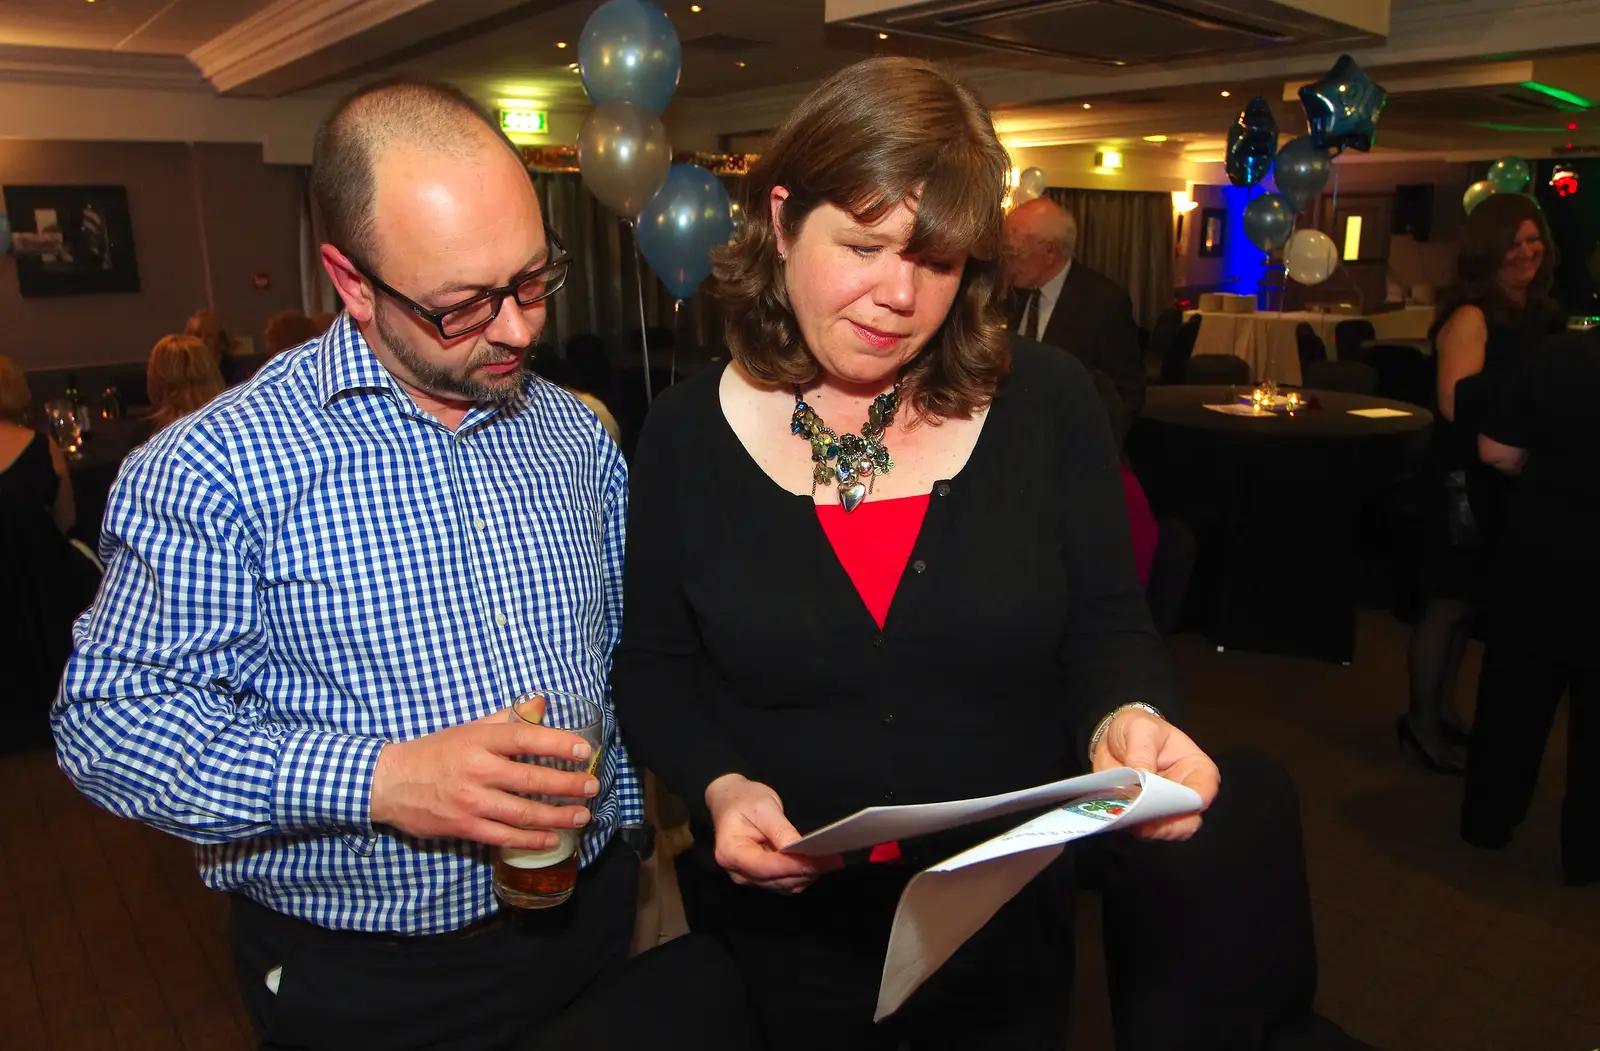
946, 904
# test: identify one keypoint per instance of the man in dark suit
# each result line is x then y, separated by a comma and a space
1065, 304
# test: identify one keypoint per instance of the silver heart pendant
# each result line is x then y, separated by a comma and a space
852, 495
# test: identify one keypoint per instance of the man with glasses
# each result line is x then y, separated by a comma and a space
324, 589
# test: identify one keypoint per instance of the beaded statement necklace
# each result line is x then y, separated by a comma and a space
850, 461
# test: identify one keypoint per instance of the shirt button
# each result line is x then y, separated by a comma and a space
501, 619
877, 641
480, 523
942, 489
919, 566
888, 720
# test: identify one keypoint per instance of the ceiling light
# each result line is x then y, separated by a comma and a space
573, 66
561, 43
1572, 127
1108, 159
1088, 106
883, 36
1155, 138
740, 64
1227, 94
695, 8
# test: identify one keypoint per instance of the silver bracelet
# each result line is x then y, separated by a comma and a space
1105, 724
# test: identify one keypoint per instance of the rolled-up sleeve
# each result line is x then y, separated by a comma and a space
155, 718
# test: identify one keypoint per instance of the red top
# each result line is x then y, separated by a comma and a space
873, 544
1142, 524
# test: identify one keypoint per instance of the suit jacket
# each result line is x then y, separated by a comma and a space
1093, 320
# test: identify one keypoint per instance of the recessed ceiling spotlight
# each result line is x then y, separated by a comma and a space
883, 36
695, 8
561, 43
1227, 94
740, 63
1088, 105
1155, 138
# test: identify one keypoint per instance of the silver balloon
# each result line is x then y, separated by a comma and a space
1301, 171
1477, 193
1310, 257
1268, 221
1030, 184
629, 52
624, 155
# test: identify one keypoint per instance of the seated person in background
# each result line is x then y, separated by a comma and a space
205, 326
32, 466
1063, 303
182, 377
288, 328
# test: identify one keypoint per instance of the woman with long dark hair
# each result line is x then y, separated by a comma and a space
1493, 315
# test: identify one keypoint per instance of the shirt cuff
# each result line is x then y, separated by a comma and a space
324, 782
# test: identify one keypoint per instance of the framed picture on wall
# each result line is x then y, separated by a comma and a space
81, 243
1213, 231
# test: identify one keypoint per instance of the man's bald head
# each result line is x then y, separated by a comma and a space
1041, 237
414, 115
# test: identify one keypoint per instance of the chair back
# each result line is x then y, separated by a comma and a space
1309, 344
1162, 333
1404, 373
1351, 377
1217, 369
1179, 350
1349, 335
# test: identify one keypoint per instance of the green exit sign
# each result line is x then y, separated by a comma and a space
524, 121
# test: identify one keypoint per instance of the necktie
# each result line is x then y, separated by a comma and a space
1028, 328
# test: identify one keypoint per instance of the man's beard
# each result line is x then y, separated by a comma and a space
457, 382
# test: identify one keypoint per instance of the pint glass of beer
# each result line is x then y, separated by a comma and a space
538, 879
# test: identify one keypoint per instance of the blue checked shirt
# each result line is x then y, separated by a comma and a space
310, 567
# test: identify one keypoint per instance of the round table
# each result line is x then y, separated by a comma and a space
1275, 503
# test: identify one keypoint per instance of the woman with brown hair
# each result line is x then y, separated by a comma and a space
881, 557
182, 376
1493, 315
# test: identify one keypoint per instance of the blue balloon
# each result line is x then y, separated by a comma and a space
629, 52
1269, 221
1252, 142
1342, 108
1301, 171
680, 226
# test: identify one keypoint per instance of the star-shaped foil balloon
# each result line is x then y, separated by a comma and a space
1342, 108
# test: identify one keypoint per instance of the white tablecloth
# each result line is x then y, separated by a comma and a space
1266, 339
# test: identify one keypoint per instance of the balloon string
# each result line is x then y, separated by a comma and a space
644, 336
677, 332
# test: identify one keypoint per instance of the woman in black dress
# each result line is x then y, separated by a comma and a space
1493, 316
1543, 624
32, 467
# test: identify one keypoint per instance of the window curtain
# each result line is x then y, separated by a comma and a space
601, 294
317, 293
1127, 236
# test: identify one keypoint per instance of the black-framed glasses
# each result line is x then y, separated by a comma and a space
463, 319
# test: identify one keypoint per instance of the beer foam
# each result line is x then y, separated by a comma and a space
524, 858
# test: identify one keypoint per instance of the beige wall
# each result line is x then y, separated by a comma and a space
189, 205
1073, 166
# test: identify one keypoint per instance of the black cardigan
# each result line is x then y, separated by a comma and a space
1018, 624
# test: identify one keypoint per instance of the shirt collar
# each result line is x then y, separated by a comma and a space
1050, 291
345, 363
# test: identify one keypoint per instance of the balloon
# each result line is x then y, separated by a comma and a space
1477, 193
1310, 257
624, 155
1342, 108
1252, 141
1301, 171
1268, 221
1510, 175
1030, 184
678, 229
629, 52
